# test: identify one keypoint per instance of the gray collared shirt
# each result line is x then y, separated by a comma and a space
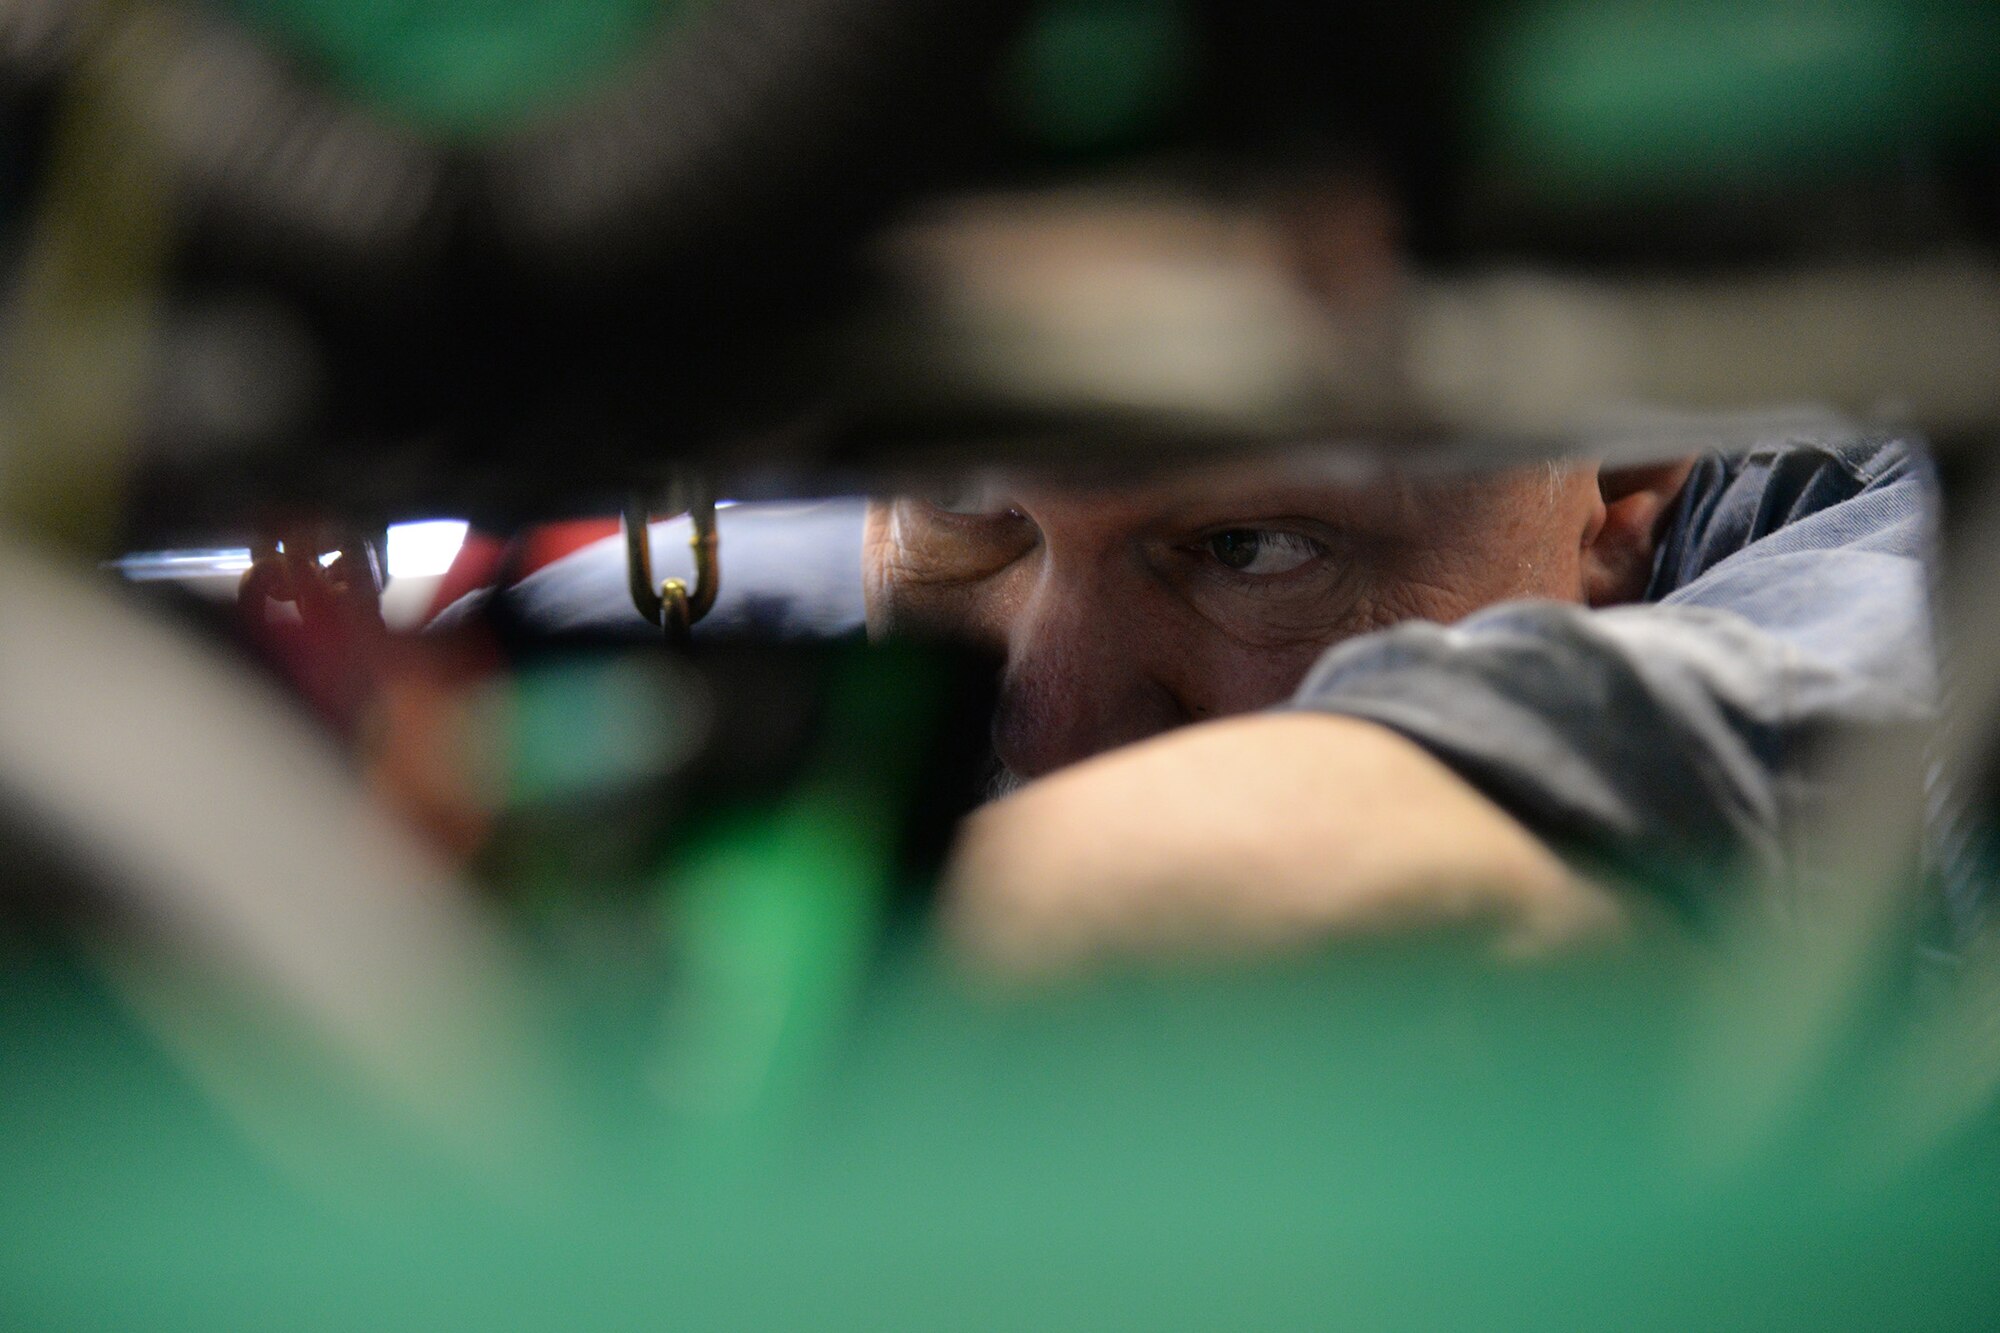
1790, 601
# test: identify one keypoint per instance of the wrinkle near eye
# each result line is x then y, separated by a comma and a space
1320, 601
928, 546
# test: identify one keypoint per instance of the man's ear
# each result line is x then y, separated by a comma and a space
1618, 555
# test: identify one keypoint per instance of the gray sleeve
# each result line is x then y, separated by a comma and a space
1677, 733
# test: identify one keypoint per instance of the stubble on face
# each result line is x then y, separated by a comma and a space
1004, 781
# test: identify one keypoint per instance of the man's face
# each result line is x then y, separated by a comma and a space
1122, 613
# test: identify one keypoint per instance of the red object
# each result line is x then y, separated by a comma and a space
479, 561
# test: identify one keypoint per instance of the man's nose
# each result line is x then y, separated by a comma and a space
1082, 675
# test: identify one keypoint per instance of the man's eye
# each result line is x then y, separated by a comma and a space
1263, 551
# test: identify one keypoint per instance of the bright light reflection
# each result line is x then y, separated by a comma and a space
418, 550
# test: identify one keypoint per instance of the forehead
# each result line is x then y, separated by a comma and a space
1328, 489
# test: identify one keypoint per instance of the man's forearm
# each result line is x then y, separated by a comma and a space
1255, 833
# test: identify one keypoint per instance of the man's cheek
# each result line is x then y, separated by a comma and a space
1452, 580
1303, 623
902, 607
1463, 571
1245, 681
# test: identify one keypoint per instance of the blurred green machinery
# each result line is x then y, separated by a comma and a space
690, 1054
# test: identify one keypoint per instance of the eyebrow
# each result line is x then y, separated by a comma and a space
1326, 501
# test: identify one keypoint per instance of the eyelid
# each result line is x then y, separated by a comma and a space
943, 545
976, 497
1000, 525
1319, 534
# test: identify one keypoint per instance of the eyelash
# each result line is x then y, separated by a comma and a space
970, 518
1205, 549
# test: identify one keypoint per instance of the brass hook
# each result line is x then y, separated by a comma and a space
672, 606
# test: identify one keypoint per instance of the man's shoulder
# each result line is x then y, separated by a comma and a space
1859, 491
